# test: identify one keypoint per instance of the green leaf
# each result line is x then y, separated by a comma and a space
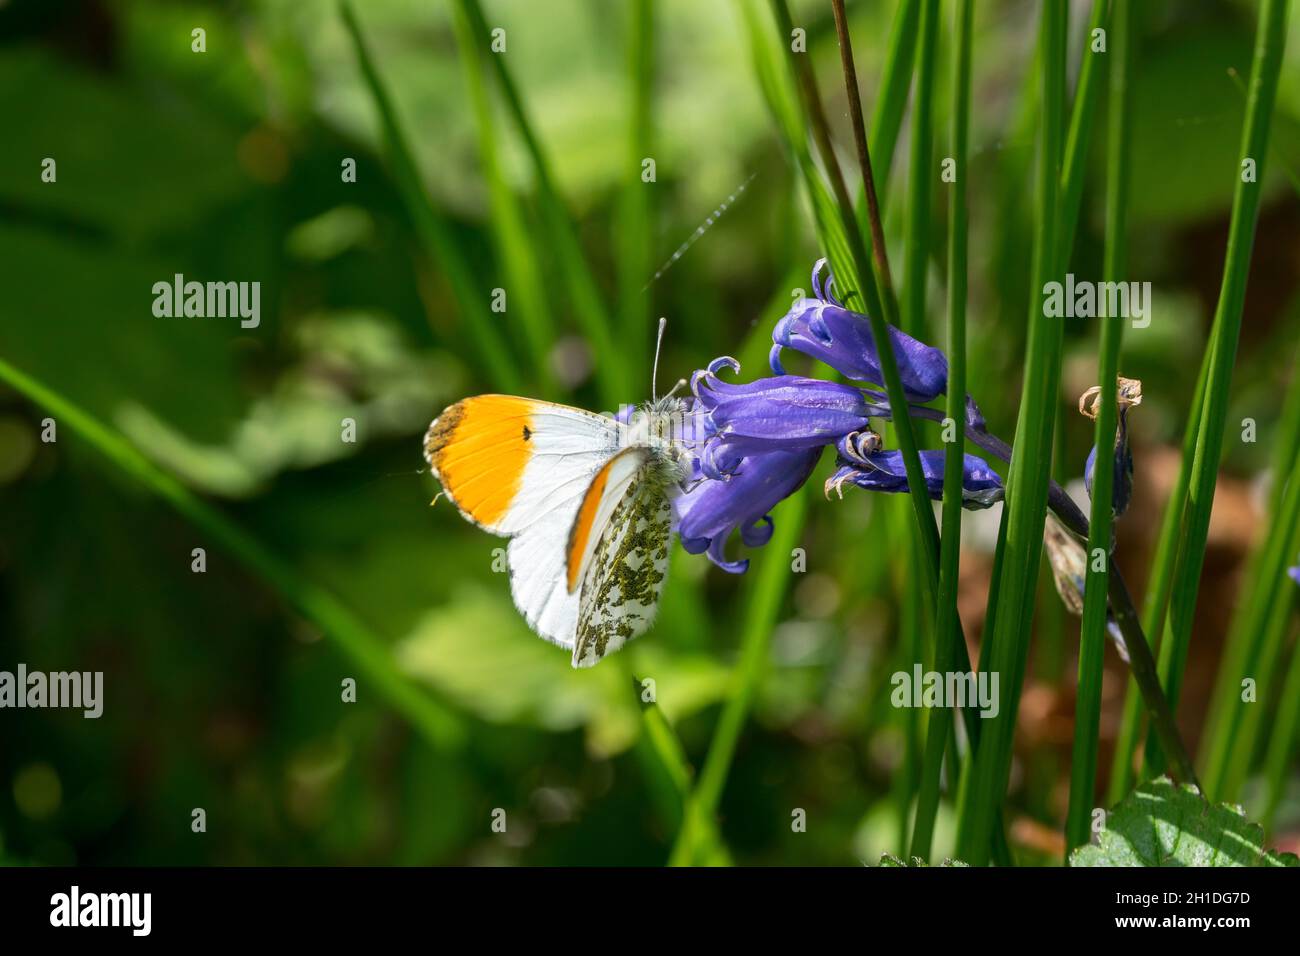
505, 675
442, 727
1166, 825
888, 859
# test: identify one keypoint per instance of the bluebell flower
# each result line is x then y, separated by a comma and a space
822, 328
1129, 394
1295, 573
784, 412
712, 509
864, 465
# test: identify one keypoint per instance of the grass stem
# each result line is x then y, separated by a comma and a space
1092, 636
1011, 598
946, 620
1270, 41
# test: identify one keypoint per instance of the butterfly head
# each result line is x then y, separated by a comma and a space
670, 429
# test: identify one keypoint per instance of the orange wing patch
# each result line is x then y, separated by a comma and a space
581, 531
478, 449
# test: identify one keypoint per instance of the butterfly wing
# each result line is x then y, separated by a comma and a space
522, 468
507, 461
624, 566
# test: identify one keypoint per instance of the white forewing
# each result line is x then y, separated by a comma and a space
568, 447
568, 452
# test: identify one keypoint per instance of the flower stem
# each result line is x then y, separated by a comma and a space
878, 252
1126, 616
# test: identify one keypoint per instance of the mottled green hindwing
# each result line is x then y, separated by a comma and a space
621, 587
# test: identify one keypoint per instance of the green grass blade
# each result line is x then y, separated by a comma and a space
927, 558
766, 594
1092, 637
778, 89
914, 645
1156, 603
1026, 501
837, 226
1241, 657
634, 224
1282, 742
912, 319
663, 752
432, 230
1086, 95
1264, 634
667, 770
891, 101
1269, 43
887, 116
438, 724
916, 234
526, 293
880, 308
946, 621
1221, 724
589, 309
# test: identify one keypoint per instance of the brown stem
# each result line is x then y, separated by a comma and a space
864, 155
1143, 668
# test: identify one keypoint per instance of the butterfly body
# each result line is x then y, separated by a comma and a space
585, 500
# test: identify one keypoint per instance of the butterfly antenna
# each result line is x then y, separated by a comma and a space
703, 227
654, 374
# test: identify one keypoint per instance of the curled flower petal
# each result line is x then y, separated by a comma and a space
855, 447
774, 359
721, 362
717, 554
1129, 394
709, 512
884, 471
842, 339
757, 533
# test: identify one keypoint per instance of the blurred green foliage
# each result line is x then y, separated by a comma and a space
225, 165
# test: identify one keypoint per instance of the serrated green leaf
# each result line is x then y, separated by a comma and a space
1162, 824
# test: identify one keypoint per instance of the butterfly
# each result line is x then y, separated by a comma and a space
585, 499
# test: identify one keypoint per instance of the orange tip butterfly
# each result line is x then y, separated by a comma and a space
585, 499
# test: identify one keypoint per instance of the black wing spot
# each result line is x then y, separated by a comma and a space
527, 433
